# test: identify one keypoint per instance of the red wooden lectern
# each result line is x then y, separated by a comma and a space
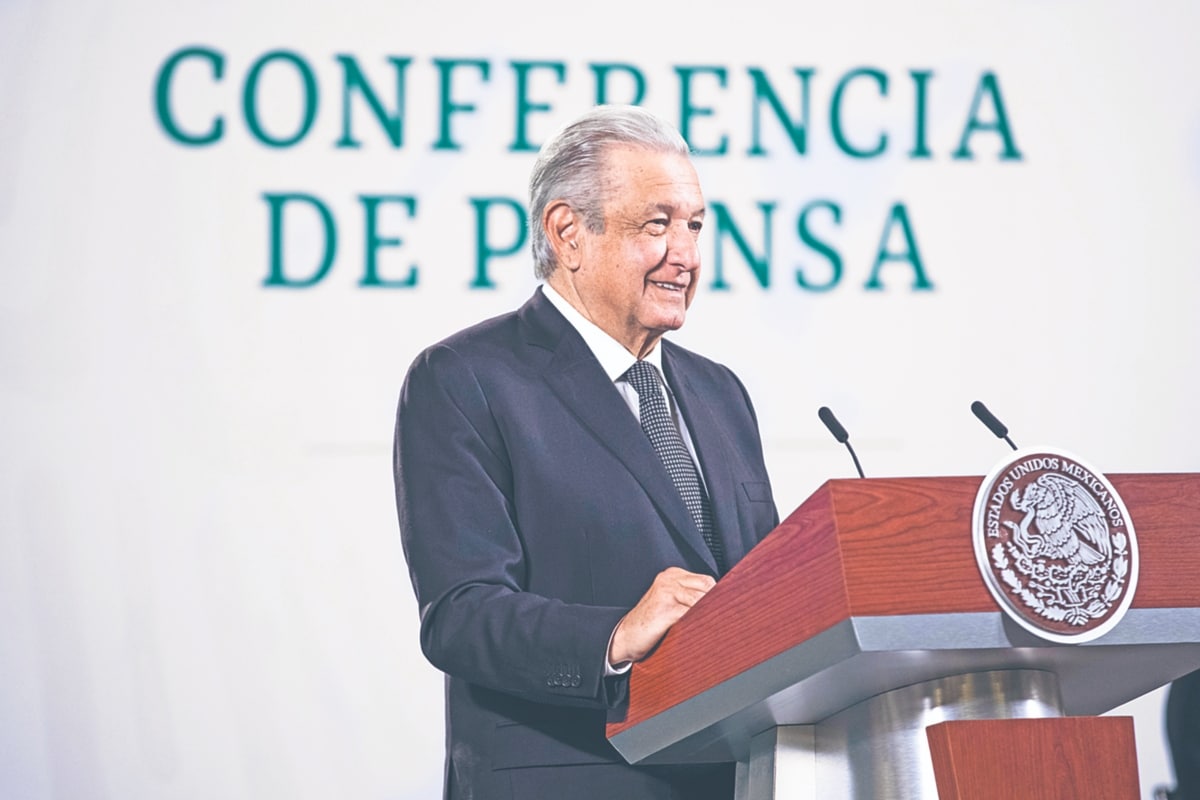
857, 653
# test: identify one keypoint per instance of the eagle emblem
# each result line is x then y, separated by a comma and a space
1055, 545
1068, 524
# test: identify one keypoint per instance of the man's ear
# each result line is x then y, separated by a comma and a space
563, 228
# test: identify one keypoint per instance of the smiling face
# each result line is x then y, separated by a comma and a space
636, 278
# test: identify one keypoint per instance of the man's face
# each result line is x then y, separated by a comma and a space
637, 278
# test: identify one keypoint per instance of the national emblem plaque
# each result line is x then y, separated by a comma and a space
1055, 545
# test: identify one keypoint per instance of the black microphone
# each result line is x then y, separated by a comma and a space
839, 433
994, 425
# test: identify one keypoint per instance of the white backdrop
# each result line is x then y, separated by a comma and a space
202, 591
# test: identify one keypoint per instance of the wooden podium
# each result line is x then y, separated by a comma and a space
857, 653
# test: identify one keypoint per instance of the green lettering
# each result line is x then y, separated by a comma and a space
910, 254
920, 146
824, 248
602, 71
275, 276
835, 113
797, 131
688, 110
250, 98
162, 97
447, 106
374, 241
760, 264
525, 106
988, 86
354, 81
485, 251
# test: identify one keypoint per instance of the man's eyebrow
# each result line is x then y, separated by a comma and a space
668, 208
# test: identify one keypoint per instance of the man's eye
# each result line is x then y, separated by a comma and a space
657, 225
695, 225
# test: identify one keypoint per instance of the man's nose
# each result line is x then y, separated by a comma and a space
683, 251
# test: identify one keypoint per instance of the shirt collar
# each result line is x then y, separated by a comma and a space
613, 357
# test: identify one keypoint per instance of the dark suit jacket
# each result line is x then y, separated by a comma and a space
534, 514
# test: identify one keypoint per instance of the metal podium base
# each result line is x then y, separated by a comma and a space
877, 749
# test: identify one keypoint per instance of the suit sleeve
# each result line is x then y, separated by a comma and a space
465, 554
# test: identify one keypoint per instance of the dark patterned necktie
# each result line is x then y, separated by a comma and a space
660, 427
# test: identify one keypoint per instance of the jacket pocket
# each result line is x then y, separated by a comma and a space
757, 491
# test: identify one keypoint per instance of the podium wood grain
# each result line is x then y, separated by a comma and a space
1068, 758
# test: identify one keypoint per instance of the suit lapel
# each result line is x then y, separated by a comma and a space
575, 375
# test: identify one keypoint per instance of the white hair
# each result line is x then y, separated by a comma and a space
571, 167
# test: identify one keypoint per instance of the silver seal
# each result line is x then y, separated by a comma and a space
1055, 545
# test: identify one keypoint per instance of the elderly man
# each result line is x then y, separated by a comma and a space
569, 483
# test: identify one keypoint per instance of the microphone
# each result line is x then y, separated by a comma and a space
839, 433
994, 425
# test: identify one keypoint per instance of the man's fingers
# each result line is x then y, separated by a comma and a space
669, 597
680, 586
674, 576
688, 596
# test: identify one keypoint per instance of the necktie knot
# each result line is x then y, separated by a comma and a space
643, 378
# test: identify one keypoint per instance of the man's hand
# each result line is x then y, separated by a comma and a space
673, 592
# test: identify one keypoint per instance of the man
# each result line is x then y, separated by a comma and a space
549, 543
